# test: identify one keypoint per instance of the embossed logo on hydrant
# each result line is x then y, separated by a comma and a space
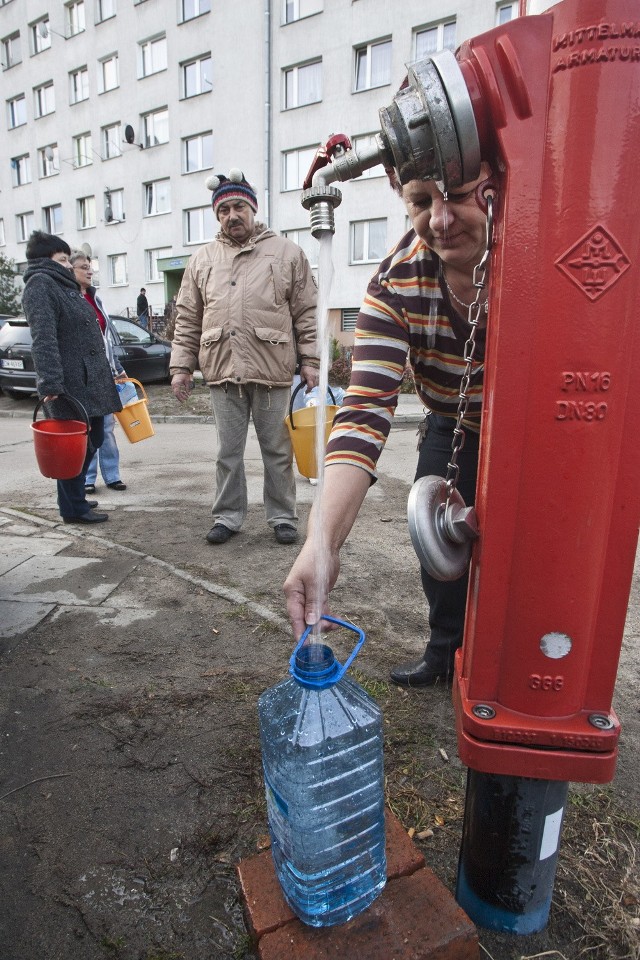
594, 263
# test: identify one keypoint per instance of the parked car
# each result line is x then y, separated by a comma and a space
144, 356
4, 317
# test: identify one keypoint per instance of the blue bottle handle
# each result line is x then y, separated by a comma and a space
341, 670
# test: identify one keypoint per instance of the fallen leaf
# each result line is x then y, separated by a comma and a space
411, 832
439, 820
263, 842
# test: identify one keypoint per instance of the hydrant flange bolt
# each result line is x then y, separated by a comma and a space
601, 721
483, 711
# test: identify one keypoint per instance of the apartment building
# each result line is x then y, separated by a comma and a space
116, 111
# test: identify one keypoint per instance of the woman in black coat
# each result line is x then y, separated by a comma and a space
68, 355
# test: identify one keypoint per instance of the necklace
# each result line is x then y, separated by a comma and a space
485, 305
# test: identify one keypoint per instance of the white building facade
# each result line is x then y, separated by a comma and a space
116, 111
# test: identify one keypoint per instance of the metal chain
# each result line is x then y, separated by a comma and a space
475, 311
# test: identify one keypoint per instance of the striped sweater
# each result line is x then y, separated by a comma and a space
405, 311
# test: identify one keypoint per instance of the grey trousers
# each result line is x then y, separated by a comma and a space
268, 406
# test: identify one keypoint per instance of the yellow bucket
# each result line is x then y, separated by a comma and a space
134, 418
301, 425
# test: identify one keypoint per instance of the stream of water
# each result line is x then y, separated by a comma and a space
325, 279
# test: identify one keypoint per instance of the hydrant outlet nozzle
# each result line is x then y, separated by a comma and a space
321, 201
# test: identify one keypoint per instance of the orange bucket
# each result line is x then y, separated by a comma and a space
61, 445
301, 425
134, 417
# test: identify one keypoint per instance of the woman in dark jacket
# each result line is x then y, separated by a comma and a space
69, 357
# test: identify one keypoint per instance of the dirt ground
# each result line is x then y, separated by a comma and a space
147, 737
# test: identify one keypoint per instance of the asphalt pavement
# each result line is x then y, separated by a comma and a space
41, 573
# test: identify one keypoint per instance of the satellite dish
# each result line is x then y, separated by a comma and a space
48, 153
86, 249
43, 29
129, 134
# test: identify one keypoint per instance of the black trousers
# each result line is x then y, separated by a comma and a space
447, 600
72, 500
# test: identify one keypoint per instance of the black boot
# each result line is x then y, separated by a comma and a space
421, 673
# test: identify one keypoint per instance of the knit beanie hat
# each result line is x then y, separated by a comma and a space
233, 187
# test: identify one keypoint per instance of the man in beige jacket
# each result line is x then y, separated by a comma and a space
246, 316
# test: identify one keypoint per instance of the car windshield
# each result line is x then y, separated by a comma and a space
131, 332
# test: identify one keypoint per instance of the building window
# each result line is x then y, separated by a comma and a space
117, 269
48, 162
196, 77
44, 100
152, 57
24, 226
303, 85
348, 319
105, 9
363, 143
308, 243
155, 128
373, 65
151, 257
21, 170
3, 238
52, 218
368, 240
197, 153
82, 150
17, 111
108, 73
114, 206
199, 224
79, 85
194, 8
157, 197
506, 12
75, 17
429, 40
110, 141
11, 50
40, 35
295, 166
297, 9
86, 212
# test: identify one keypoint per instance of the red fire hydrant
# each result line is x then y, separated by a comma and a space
557, 102
552, 102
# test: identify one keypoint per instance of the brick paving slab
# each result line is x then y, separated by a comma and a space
265, 906
415, 917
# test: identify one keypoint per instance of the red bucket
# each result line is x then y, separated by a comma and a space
60, 445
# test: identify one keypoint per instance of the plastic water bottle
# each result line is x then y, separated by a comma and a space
321, 738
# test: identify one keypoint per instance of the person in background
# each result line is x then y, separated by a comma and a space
108, 456
417, 303
246, 316
69, 357
142, 309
